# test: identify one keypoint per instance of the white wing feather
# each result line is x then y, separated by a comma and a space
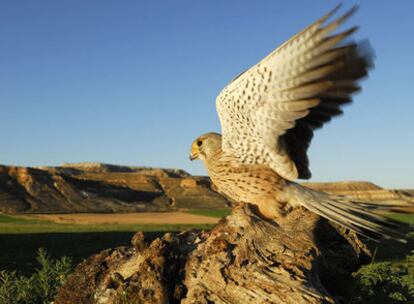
262, 104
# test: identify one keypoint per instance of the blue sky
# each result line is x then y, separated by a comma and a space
134, 82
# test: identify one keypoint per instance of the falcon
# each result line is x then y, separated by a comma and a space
268, 115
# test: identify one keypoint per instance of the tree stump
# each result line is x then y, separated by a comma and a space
243, 259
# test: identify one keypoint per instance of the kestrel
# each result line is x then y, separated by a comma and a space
268, 115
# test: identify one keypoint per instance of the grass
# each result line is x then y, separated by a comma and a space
22, 225
21, 237
403, 217
212, 213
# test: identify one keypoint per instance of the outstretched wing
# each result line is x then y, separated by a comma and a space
269, 112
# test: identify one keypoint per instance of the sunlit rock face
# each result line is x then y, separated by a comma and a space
95, 187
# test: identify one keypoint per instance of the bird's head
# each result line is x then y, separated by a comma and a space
205, 146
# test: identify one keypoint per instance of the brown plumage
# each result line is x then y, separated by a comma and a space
268, 115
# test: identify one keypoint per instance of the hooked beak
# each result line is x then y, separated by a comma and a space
194, 151
193, 156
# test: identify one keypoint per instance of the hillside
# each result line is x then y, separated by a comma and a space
365, 191
96, 187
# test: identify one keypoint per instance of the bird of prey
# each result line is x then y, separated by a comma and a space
268, 115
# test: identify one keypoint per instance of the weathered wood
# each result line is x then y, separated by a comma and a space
244, 259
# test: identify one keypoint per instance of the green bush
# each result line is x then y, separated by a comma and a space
40, 287
385, 283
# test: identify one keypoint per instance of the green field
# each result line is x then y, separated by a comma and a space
21, 237
19, 225
213, 213
388, 279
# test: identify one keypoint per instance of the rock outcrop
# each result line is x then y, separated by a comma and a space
102, 188
244, 259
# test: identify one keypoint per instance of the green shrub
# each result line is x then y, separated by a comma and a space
40, 287
385, 283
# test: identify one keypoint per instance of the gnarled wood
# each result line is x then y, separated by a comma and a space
244, 259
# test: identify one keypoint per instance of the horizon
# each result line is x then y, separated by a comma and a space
135, 83
85, 164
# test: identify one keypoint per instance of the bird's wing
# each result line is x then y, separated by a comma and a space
269, 112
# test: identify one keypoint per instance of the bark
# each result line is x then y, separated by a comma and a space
243, 259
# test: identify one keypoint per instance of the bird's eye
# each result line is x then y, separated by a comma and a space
199, 143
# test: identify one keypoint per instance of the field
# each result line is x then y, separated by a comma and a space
21, 236
83, 235
143, 218
80, 235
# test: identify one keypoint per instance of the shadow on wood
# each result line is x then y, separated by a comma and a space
244, 259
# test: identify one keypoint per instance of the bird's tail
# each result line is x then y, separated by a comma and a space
365, 218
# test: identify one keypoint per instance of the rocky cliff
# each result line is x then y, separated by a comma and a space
365, 191
96, 187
